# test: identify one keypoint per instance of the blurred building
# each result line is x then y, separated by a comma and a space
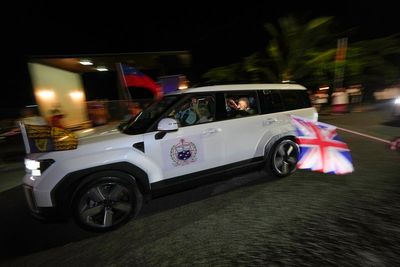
387, 93
72, 83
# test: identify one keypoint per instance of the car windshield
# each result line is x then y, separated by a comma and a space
146, 118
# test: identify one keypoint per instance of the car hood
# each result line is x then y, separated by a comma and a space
98, 134
96, 131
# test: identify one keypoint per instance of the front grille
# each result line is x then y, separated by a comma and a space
30, 198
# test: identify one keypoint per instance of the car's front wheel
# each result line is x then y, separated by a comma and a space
282, 158
106, 201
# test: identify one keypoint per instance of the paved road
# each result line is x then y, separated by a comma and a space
307, 219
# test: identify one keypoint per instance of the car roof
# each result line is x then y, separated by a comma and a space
240, 87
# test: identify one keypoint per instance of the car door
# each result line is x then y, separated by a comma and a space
242, 132
196, 145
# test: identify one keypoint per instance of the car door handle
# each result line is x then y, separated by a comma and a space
211, 131
269, 121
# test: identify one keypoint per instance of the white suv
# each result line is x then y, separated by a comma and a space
187, 138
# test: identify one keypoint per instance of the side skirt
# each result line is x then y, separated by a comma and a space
185, 182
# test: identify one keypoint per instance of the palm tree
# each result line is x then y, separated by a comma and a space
294, 52
372, 61
305, 53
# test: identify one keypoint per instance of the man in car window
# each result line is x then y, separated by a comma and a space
242, 107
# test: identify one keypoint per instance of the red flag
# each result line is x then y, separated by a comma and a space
135, 78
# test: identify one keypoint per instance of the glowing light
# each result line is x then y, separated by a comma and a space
397, 101
324, 88
45, 94
87, 130
76, 96
101, 68
86, 62
63, 138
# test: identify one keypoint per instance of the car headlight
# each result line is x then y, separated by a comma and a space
397, 101
37, 167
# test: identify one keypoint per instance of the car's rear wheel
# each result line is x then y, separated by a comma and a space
282, 158
106, 201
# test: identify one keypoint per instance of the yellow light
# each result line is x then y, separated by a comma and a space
63, 138
45, 94
32, 164
76, 96
36, 173
88, 130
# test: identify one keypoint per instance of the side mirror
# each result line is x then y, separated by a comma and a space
167, 125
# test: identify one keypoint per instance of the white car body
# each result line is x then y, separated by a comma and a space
209, 146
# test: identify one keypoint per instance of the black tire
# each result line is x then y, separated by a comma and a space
106, 201
281, 160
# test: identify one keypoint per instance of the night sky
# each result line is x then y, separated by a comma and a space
215, 34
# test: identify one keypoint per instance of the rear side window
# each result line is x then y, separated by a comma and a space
295, 99
272, 101
281, 100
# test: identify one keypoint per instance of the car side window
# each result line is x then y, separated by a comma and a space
295, 99
241, 104
197, 109
204, 107
273, 101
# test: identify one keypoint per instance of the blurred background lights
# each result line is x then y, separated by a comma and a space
76, 96
45, 94
86, 62
101, 68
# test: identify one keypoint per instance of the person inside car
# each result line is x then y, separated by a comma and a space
242, 107
186, 115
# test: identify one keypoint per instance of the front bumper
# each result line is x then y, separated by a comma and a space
42, 213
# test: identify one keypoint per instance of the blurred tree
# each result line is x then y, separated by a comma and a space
373, 61
305, 53
223, 74
294, 52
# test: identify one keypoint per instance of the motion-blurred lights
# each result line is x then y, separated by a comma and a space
88, 130
183, 82
102, 68
397, 101
45, 94
324, 88
76, 96
32, 164
86, 62
63, 138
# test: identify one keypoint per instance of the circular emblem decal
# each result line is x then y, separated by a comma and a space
183, 153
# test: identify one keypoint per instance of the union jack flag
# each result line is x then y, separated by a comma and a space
321, 148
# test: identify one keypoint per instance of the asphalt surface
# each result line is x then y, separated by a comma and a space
307, 219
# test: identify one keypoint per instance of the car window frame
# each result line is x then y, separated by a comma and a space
252, 92
184, 97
